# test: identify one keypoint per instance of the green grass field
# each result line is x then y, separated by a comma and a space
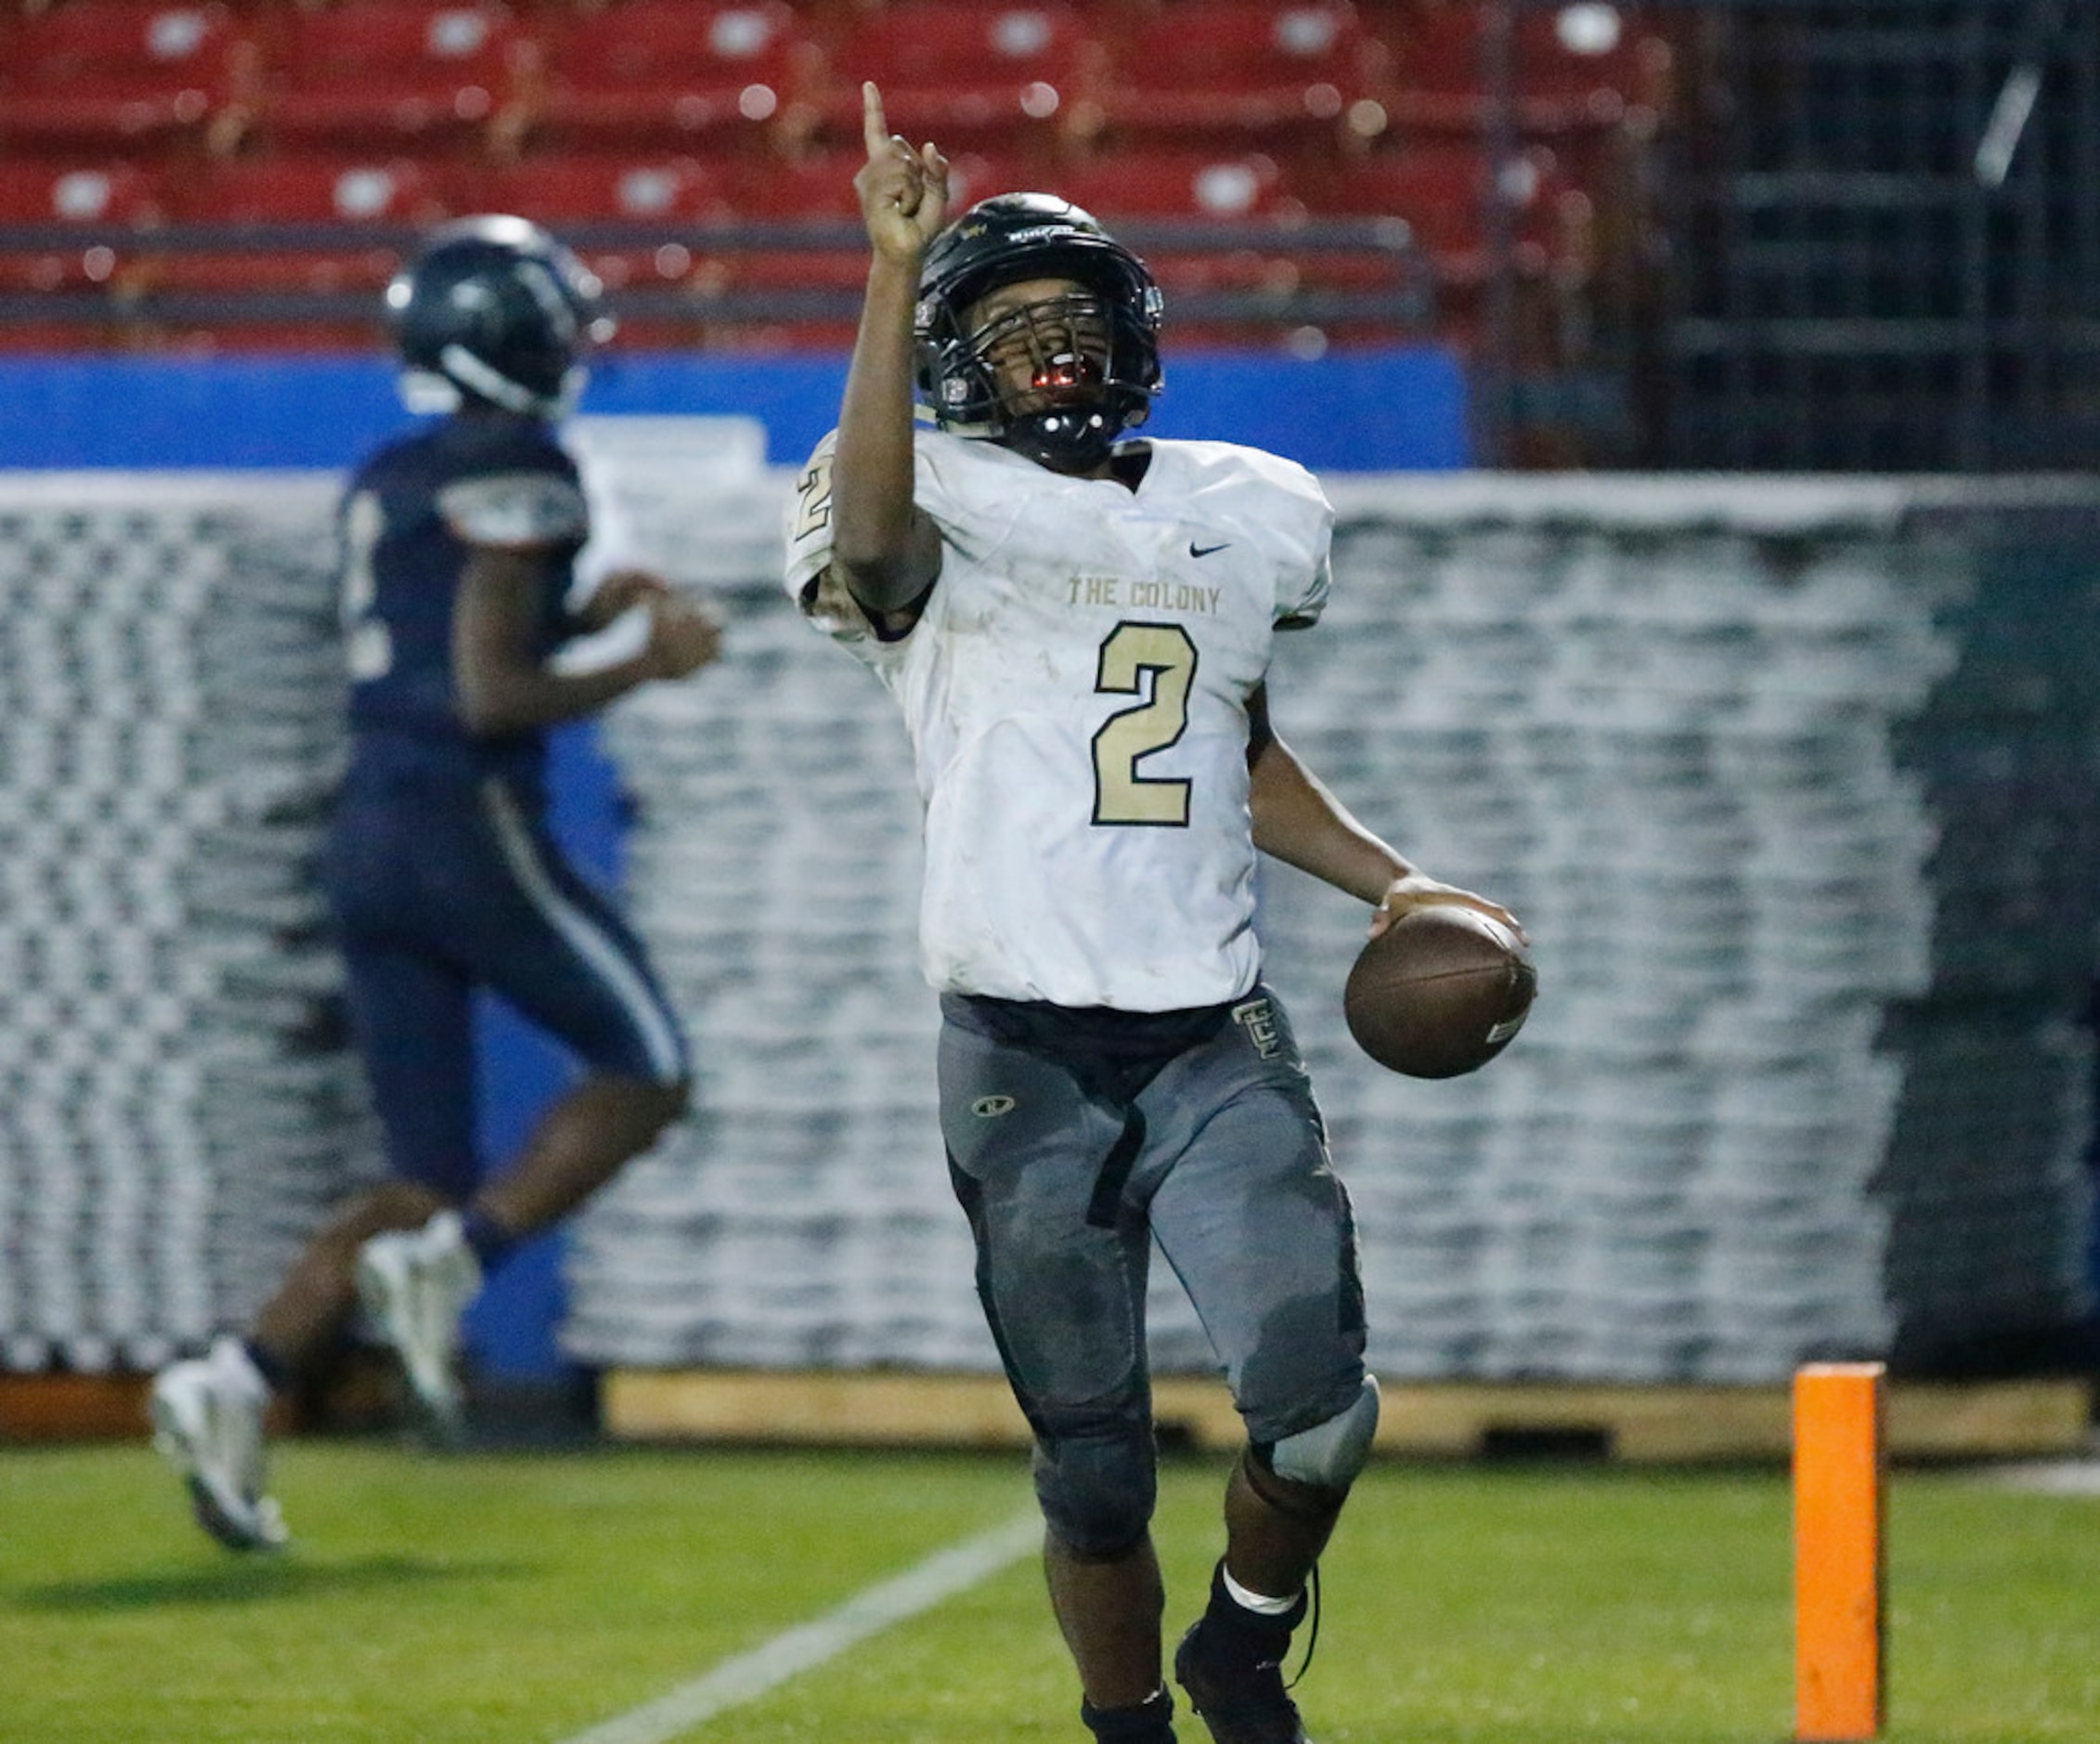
530, 1597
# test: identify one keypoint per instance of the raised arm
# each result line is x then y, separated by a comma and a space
886, 551
1301, 823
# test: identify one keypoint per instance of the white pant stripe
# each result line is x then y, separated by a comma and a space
582, 931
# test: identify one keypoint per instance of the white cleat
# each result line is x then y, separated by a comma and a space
207, 1415
414, 1285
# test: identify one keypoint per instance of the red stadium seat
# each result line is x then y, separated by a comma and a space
1574, 68
316, 188
569, 193
1180, 182
1186, 186
975, 174
672, 74
118, 75
359, 218
97, 198
1132, 190
1447, 192
340, 192
964, 74
816, 189
391, 74
817, 184
558, 187
1223, 73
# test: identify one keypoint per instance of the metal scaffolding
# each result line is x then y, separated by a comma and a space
1883, 238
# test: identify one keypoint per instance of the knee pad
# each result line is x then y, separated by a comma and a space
1097, 1492
1330, 1454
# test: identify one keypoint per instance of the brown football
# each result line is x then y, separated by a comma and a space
1439, 992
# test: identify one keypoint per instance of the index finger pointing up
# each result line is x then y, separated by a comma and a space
872, 119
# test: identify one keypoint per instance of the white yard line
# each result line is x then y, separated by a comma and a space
808, 1646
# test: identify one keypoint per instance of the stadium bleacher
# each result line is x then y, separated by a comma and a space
679, 133
386, 74
138, 76
1313, 75
212, 179
722, 77
999, 78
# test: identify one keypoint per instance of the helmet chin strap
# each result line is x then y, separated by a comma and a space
1066, 439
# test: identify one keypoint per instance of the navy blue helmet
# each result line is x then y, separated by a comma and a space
495, 309
1091, 360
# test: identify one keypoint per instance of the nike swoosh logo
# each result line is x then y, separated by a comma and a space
1204, 551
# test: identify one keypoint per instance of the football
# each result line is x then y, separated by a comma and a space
1439, 992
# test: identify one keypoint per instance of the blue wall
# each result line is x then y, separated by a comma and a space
1394, 411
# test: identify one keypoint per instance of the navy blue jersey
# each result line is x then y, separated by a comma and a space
444, 874
409, 518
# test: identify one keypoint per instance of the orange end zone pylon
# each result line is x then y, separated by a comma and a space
1840, 1552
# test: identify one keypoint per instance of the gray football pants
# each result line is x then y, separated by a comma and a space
1069, 1172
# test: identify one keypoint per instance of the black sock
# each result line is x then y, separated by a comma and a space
269, 1364
490, 1241
1264, 1636
1147, 1722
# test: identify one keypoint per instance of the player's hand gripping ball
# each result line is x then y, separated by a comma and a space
1439, 992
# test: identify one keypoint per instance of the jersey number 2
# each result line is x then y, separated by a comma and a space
1120, 794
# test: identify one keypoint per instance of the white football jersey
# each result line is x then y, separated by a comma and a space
1076, 695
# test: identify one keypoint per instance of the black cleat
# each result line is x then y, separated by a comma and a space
1234, 1677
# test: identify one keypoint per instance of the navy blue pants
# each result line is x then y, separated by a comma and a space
443, 888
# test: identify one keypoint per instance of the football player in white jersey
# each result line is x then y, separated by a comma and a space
1078, 629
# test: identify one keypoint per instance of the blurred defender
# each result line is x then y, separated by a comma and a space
459, 543
1078, 629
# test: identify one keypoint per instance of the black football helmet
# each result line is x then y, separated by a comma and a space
1090, 362
494, 309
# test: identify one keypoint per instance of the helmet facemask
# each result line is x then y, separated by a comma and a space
1060, 377
1050, 372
